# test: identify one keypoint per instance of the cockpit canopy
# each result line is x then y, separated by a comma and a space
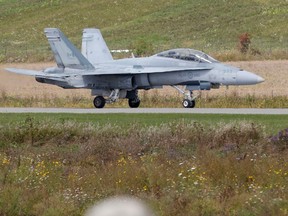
187, 55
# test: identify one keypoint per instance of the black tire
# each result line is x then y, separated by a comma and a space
134, 103
186, 103
99, 102
193, 103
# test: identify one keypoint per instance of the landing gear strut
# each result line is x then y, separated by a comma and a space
189, 99
114, 96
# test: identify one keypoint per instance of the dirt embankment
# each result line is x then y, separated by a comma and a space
274, 72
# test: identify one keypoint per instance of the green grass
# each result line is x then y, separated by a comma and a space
271, 123
211, 26
59, 164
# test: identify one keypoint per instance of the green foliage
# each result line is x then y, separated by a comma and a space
211, 26
180, 167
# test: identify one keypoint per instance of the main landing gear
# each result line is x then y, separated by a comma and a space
189, 99
100, 101
133, 99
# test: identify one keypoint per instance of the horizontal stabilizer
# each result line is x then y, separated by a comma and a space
24, 71
37, 73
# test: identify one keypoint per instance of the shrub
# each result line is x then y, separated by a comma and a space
281, 139
244, 42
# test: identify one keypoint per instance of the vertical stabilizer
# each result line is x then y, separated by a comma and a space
65, 53
94, 47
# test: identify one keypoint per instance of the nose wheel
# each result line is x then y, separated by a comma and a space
188, 103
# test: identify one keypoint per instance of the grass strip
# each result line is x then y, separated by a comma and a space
272, 123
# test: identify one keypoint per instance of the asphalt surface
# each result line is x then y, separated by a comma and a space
149, 110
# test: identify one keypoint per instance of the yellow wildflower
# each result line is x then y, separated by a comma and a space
145, 188
5, 160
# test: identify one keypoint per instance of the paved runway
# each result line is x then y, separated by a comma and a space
149, 110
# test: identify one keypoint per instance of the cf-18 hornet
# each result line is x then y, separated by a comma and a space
94, 68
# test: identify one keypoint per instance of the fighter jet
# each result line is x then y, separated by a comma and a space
109, 79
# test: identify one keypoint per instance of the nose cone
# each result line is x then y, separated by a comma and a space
247, 78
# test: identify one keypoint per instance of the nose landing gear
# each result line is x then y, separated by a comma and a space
189, 99
188, 103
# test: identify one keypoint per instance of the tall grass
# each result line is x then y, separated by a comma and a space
180, 168
149, 100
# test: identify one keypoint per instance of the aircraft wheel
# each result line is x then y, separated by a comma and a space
187, 103
193, 103
99, 102
134, 103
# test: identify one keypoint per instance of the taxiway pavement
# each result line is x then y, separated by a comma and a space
149, 110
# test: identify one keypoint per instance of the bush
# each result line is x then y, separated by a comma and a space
244, 42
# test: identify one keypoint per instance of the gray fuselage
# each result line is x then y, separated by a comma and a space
208, 76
